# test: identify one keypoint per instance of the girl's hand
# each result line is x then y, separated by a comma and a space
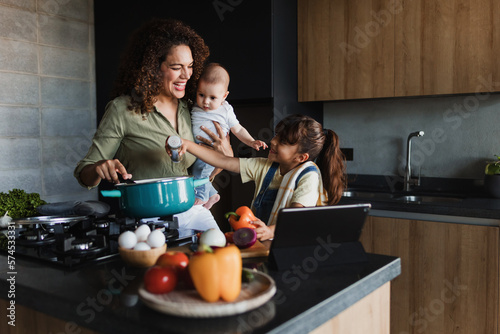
263, 231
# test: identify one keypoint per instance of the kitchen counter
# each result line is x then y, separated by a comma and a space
473, 201
474, 207
102, 297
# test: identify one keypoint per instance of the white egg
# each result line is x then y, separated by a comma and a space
142, 232
156, 239
127, 239
142, 246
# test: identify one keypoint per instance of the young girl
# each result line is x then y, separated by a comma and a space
288, 177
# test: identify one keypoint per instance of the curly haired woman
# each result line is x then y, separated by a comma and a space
155, 83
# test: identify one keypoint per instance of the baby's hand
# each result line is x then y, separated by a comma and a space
257, 144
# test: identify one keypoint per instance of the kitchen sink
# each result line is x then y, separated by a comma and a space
428, 199
368, 195
398, 197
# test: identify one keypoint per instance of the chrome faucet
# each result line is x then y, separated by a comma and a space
409, 180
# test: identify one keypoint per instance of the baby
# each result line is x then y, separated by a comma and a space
211, 105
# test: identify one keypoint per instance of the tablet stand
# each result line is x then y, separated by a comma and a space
315, 256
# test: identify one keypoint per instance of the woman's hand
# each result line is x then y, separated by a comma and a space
263, 231
219, 142
108, 170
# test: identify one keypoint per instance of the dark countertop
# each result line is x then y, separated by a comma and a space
103, 297
475, 207
474, 201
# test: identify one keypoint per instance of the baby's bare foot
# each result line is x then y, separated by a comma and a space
211, 201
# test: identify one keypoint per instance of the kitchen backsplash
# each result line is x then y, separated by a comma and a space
47, 99
461, 134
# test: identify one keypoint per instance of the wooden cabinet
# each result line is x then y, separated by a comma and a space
369, 315
387, 48
31, 321
449, 278
446, 47
345, 51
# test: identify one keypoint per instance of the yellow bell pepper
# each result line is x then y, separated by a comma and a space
217, 275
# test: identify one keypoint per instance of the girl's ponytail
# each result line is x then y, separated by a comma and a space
331, 162
322, 145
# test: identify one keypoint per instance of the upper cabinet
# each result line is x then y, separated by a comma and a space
353, 49
345, 51
446, 47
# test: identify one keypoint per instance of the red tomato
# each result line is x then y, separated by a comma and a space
177, 261
160, 279
174, 259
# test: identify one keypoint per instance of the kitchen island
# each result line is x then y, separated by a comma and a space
103, 298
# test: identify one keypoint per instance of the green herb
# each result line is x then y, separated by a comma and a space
20, 204
493, 167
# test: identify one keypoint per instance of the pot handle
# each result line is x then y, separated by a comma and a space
200, 182
111, 193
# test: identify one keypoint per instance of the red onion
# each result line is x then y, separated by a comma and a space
244, 237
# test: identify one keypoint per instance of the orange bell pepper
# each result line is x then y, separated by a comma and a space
242, 217
217, 275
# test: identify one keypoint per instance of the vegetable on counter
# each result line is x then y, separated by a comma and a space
244, 237
178, 262
160, 280
229, 237
212, 237
217, 274
242, 217
19, 204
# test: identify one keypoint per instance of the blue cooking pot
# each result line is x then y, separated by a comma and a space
156, 197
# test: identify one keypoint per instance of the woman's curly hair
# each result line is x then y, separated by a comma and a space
139, 74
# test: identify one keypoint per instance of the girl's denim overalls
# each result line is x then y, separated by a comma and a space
266, 197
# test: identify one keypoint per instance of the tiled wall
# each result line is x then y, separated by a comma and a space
47, 95
462, 132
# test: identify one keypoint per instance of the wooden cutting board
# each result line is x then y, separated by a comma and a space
257, 250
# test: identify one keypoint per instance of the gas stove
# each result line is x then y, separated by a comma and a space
74, 241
